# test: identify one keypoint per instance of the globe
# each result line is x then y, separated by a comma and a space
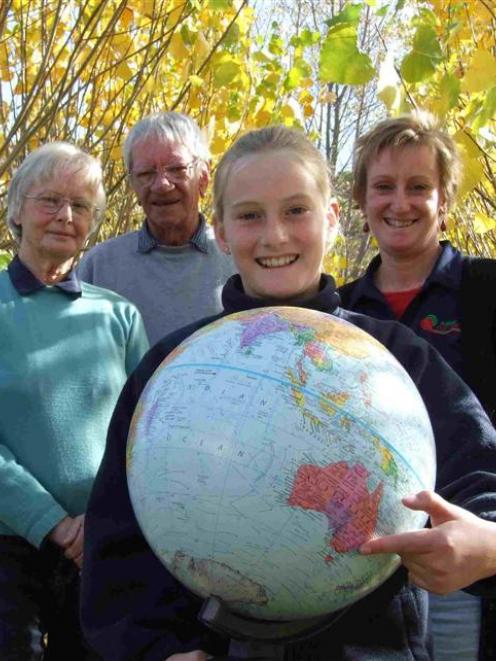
265, 449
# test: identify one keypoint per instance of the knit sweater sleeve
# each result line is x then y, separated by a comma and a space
27, 507
137, 342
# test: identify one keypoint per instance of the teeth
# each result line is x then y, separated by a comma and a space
273, 262
394, 222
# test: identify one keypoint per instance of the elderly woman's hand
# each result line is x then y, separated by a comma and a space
69, 535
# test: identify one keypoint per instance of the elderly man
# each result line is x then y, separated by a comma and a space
171, 268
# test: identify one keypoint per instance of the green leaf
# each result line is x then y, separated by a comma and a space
389, 96
276, 45
294, 78
342, 62
449, 90
186, 35
225, 72
4, 259
349, 16
259, 56
304, 39
427, 16
487, 112
232, 35
219, 4
309, 38
424, 57
234, 112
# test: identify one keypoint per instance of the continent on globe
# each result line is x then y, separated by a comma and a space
340, 492
211, 576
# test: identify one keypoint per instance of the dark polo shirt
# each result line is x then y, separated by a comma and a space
434, 314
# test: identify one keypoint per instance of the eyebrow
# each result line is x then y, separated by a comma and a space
388, 175
292, 198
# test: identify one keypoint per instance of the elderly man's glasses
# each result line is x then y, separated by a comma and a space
53, 203
173, 173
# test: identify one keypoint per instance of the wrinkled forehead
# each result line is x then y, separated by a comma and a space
67, 176
150, 152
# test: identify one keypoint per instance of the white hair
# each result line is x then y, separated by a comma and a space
167, 127
44, 164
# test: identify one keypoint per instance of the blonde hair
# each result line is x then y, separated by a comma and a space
271, 139
417, 128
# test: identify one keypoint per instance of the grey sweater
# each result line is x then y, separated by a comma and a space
170, 285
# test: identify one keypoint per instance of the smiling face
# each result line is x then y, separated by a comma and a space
276, 225
171, 207
403, 200
55, 237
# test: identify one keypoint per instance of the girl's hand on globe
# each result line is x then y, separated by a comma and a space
459, 548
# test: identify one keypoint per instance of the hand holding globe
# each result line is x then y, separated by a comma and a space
448, 556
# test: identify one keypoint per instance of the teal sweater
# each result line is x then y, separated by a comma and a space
63, 362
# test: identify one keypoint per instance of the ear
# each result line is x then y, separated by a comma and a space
358, 202
220, 235
204, 179
333, 214
443, 206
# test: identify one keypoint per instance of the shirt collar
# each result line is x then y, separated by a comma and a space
365, 285
447, 271
27, 283
235, 299
448, 267
147, 242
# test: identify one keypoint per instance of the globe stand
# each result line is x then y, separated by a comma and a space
223, 621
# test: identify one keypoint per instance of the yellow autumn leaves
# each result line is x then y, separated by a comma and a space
86, 71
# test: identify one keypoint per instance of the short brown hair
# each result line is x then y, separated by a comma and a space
416, 128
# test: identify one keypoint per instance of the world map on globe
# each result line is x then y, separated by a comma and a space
265, 449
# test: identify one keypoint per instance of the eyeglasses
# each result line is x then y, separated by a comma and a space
173, 173
53, 203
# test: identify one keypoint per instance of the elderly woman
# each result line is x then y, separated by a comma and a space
66, 350
406, 175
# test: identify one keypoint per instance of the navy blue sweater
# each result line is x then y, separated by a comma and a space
133, 608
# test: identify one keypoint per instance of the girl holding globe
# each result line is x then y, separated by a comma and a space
275, 214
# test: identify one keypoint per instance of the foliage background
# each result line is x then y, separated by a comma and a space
86, 71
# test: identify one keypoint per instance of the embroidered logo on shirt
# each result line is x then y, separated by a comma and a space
431, 324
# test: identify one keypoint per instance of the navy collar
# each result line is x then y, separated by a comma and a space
448, 267
234, 298
147, 242
447, 271
27, 283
